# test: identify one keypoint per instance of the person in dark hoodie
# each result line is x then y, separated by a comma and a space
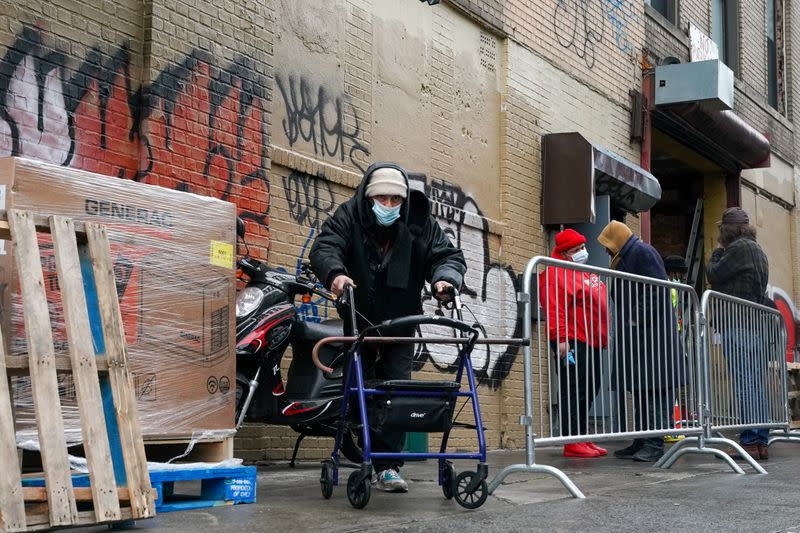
384, 242
649, 359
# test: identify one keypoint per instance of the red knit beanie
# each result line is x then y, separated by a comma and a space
569, 238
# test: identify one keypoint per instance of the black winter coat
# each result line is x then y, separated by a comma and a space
387, 285
648, 350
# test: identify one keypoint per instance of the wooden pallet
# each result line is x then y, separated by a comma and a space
120, 486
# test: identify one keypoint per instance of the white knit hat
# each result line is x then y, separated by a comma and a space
386, 181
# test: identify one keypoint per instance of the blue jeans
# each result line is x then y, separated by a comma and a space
746, 367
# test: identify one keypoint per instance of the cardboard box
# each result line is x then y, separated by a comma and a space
174, 267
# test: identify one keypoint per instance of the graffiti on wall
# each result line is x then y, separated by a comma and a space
791, 318
198, 127
620, 14
310, 201
490, 288
315, 117
580, 25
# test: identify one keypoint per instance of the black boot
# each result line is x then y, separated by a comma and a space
628, 453
651, 452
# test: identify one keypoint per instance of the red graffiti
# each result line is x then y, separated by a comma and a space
102, 142
198, 126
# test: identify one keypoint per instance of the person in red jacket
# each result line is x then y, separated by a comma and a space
577, 320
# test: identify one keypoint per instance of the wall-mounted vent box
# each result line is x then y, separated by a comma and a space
709, 83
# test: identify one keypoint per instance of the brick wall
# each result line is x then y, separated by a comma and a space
695, 12
206, 110
753, 44
598, 43
153, 92
755, 110
793, 88
663, 39
180, 94
65, 55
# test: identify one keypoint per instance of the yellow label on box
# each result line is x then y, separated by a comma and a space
221, 254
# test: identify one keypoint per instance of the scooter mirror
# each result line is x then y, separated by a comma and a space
240, 227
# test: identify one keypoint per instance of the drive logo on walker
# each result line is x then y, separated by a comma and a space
418, 415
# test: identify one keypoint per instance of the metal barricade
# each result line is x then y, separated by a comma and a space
744, 368
622, 352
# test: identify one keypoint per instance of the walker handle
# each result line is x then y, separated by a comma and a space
416, 320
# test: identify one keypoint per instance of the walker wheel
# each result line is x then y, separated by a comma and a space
465, 498
447, 480
358, 490
326, 479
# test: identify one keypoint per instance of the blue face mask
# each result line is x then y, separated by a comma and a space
385, 216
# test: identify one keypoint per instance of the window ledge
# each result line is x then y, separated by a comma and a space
666, 25
758, 99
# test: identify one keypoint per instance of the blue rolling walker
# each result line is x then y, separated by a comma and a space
408, 405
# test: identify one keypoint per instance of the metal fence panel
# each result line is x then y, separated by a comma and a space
745, 357
672, 365
628, 335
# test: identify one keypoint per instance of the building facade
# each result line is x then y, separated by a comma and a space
279, 105
720, 165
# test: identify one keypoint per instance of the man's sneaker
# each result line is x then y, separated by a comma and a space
649, 454
628, 452
390, 481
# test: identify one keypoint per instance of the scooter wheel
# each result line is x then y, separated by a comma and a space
358, 490
326, 479
466, 498
350, 448
447, 480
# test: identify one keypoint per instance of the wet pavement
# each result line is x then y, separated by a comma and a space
699, 493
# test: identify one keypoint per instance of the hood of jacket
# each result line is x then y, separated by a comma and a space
614, 237
362, 205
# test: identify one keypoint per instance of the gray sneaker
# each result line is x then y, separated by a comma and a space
389, 480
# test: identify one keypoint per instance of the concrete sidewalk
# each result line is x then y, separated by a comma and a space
697, 494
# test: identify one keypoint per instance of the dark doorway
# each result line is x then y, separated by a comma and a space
676, 220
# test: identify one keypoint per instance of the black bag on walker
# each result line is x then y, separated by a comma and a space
412, 413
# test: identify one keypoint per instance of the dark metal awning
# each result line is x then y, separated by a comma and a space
575, 170
721, 136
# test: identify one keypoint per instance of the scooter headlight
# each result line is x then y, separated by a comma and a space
248, 301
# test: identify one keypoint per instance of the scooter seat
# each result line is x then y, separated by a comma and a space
316, 331
416, 385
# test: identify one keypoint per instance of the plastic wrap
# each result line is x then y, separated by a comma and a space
80, 464
173, 255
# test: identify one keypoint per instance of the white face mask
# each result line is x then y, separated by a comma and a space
581, 256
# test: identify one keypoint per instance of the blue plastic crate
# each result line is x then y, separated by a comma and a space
218, 486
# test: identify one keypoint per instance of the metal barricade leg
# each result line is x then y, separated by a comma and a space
661, 463
706, 451
534, 468
527, 420
743, 454
785, 435
683, 448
